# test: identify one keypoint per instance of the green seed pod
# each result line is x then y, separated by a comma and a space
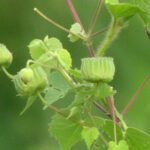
98, 69
5, 56
26, 74
38, 82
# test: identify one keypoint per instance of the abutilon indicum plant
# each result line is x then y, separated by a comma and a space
48, 76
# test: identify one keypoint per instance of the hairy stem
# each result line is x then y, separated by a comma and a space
60, 111
56, 24
95, 17
136, 94
10, 76
109, 36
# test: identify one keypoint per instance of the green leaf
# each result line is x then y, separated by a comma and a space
58, 82
76, 29
36, 48
121, 10
89, 135
65, 59
53, 44
121, 146
106, 128
66, 131
103, 90
52, 95
58, 89
29, 103
79, 99
144, 6
98, 121
137, 140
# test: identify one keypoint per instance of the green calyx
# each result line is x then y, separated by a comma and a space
26, 74
38, 82
5, 56
98, 69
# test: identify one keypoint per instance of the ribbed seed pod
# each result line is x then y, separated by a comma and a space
38, 83
5, 56
98, 69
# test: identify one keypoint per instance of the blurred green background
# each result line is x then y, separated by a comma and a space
19, 24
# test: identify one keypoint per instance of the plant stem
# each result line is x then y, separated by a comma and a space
7, 73
120, 117
108, 38
56, 24
136, 94
110, 106
77, 19
99, 107
102, 109
60, 111
67, 77
91, 51
99, 32
109, 103
95, 17
114, 121
30, 62
73, 12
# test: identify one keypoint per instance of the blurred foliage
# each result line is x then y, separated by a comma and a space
19, 25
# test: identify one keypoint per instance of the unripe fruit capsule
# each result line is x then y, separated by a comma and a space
26, 74
98, 69
5, 56
38, 83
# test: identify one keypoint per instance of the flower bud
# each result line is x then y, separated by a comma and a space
98, 69
26, 74
5, 56
38, 82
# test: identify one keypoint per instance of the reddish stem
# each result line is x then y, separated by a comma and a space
99, 32
136, 94
90, 47
99, 107
111, 108
95, 16
102, 109
73, 12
